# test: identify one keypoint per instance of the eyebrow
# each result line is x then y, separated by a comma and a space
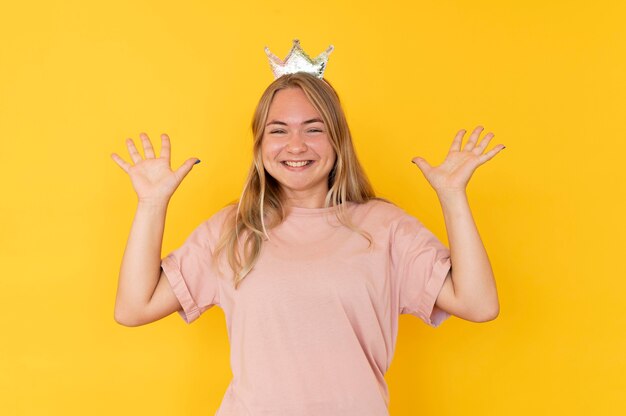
313, 120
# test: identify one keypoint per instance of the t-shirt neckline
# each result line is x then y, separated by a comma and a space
315, 211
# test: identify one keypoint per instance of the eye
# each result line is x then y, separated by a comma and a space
276, 131
315, 131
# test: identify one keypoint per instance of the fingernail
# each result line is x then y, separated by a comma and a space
197, 161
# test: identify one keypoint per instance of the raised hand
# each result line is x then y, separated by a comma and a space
456, 170
152, 177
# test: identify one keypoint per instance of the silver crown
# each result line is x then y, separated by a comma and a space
298, 61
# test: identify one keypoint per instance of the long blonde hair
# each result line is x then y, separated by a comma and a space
260, 206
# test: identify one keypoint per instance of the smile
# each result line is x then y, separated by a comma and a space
297, 164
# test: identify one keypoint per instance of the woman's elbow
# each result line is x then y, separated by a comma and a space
488, 314
125, 319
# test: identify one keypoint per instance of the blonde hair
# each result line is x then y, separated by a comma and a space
260, 206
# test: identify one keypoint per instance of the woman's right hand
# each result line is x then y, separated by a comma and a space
153, 179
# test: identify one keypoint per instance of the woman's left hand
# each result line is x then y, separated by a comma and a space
455, 172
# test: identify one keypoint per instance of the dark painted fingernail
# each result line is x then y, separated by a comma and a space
197, 161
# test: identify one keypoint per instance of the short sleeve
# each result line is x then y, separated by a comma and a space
192, 275
422, 263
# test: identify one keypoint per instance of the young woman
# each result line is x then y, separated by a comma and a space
311, 269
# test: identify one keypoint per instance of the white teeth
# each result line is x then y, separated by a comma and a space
297, 164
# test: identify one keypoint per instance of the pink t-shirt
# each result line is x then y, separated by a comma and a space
313, 327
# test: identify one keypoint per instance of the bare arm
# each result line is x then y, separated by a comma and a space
144, 294
140, 272
469, 290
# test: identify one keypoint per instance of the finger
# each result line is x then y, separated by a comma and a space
185, 168
165, 146
147, 146
120, 162
422, 164
456, 143
473, 138
483, 144
490, 154
132, 150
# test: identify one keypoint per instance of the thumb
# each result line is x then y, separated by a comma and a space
185, 168
422, 164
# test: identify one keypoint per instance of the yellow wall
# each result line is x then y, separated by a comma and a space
77, 78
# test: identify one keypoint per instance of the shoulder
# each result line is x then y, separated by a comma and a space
223, 214
379, 214
379, 209
212, 227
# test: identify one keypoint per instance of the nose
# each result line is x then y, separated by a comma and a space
296, 143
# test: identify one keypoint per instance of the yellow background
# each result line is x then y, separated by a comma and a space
77, 78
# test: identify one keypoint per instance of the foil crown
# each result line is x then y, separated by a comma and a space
298, 61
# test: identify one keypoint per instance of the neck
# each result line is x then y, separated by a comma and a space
315, 200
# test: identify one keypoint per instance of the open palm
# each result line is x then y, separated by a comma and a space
456, 170
152, 178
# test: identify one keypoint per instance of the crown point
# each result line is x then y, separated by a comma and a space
298, 61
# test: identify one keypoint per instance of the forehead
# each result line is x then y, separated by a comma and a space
291, 104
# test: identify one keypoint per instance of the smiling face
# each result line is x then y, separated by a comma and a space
296, 149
